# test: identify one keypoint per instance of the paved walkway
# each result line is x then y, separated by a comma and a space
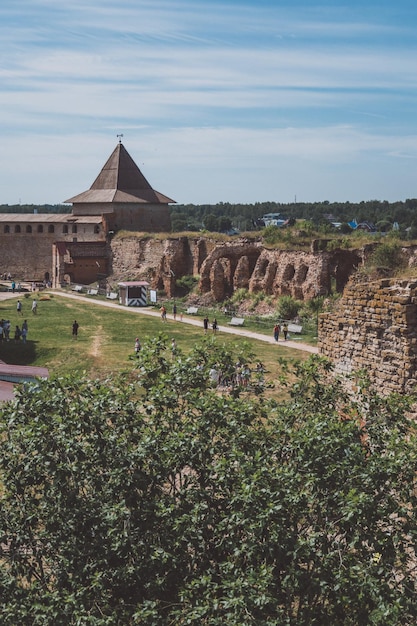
188, 319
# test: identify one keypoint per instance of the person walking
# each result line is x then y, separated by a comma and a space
205, 324
285, 331
19, 308
137, 346
214, 326
277, 330
174, 311
75, 328
34, 307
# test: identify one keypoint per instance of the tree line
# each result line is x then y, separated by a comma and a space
224, 216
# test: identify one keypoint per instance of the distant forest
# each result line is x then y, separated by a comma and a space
244, 217
225, 216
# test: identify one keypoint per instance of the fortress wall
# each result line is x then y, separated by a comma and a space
29, 255
374, 329
159, 261
224, 267
26, 256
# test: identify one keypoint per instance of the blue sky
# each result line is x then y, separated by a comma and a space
217, 101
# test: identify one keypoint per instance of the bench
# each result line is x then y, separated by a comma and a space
236, 321
92, 292
192, 310
112, 295
295, 328
77, 288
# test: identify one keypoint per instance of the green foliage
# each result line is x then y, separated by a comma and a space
154, 499
239, 295
288, 307
185, 284
272, 234
387, 255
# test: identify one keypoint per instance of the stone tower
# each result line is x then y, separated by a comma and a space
122, 194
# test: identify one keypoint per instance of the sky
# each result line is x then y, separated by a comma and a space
215, 100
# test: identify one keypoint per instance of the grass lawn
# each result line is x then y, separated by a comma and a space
106, 337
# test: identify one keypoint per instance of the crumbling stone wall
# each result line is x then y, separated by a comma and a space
159, 261
224, 267
374, 328
303, 275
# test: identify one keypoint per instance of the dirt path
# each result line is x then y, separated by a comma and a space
186, 319
95, 350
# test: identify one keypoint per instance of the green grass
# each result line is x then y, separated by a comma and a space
106, 337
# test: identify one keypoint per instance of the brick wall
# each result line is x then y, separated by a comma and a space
374, 328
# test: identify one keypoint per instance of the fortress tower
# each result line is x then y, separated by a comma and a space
75, 246
124, 196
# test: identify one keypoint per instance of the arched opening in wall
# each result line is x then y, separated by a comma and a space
6, 228
28, 228
74, 228
228, 272
51, 228
263, 266
40, 228
46, 276
270, 274
65, 229
17, 228
302, 273
288, 273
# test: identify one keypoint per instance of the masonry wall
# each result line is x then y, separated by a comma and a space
374, 329
29, 255
138, 217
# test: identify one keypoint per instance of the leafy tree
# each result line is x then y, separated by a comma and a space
211, 222
224, 223
155, 499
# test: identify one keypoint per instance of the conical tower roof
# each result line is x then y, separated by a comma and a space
120, 180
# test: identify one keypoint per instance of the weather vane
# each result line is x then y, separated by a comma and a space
120, 138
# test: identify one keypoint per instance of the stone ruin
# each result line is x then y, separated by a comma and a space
249, 265
374, 328
224, 267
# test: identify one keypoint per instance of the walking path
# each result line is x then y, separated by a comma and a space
242, 332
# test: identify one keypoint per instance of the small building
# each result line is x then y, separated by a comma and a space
133, 293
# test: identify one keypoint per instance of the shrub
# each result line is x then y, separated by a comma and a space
288, 307
185, 284
387, 255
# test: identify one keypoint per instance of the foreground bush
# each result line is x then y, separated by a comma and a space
157, 500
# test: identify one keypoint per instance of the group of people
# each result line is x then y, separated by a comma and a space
20, 333
277, 330
19, 307
206, 324
239, 376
